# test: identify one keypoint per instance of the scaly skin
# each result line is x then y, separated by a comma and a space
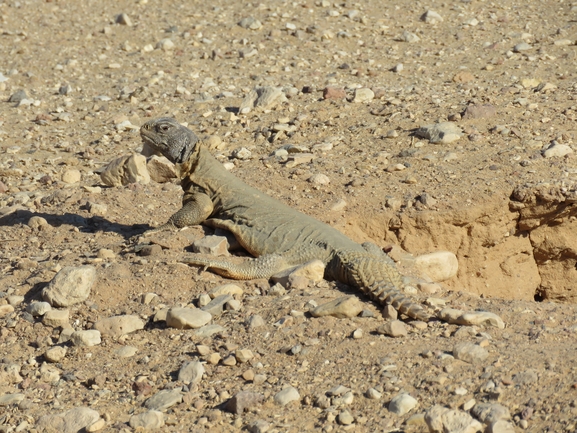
278, 236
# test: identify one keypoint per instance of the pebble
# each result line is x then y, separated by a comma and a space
96, 426
463, 77
431, 17
345, 418
213, 245
319, 179
490, 413
479, 111
37, 223
209, 331
226, 289
389, 312
557, 150
11, 399
480, 318
343, 307
262, 97
125, 170
164, 399
259, 426
393, 328
243, 401
105, 254
409, 37
216, 306
402, 404
241, 153
123, 19
255, 321
126, 351
191, 372
243, 355
150, 420
363, 94
313, 271
441, 419
55, 354
187, 318
444, 132
71, 421
358, 334
15, 300
523, 46
373, 394
56, 318
88, 338
439, 266
38, 308
119, 325
160, 169
71, 176
470, 352
332, 92
17, 96
339, 206
250, 23
165, 44
70, 286
287, 395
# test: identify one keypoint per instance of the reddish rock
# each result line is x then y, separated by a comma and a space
331, 92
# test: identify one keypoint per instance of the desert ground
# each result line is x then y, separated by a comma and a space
349, 134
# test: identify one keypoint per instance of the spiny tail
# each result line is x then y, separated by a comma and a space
378, 279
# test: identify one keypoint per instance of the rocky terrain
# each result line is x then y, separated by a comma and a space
426, 128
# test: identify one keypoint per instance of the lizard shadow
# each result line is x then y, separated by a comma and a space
86, 225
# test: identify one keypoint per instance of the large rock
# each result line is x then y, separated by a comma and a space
343, 307
70, 286
126, 169
119, 325
439, 266
187, 318
161, 170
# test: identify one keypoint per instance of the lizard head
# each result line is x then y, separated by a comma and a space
166, 136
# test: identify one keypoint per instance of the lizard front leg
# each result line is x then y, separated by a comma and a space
196, 207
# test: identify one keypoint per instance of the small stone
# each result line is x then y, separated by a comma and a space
463, 77
409, 37
17, 96
38, 308
398, 68
255, 321
402, 404
229, 361
470, 352
480, 318
56, 318
216, 306
37, 223
164, 399
11, 399
213, 358
165, 44
6, 310
358, 334
71, 176
241, 153
431, 17
70, 286
389, 312
319, 179
439, 266
86, 338
490, 413
313, 271
243, 401
444, 132
248, 375
213, 245
204, 299
96, 426
557, 150
363, 94
373, 394
191, 372
149, 420
343, 307
117, 326
259, 426
126, 351
450, 315
226, 289
160, 169
287, 395
339, 206
441, 419
15, 300
150, 250
250, 23
331, 92
123, 19
345, 418
262, 97
187, 318
479, 111
73, 420
125, 170
523, 46
243, 355
105, 254
209, 330
393, 328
